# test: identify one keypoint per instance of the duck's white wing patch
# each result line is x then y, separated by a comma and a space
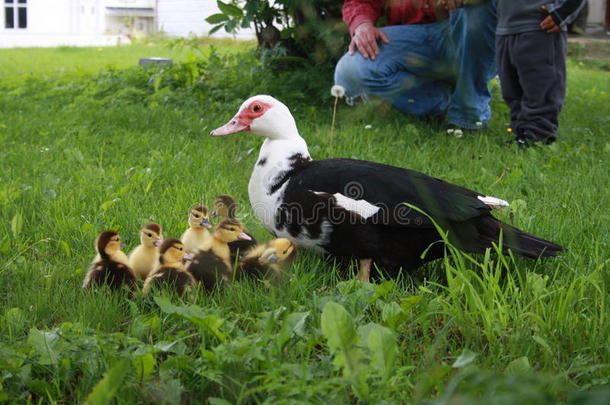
361, 207
493, 202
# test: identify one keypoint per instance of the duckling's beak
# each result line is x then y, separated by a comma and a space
272, 258
206, 223
187, 257
157, 242
122, 245
214, 214
244, 236
237, 124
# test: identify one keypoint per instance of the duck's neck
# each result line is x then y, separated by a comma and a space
174, 265
203, 231
221, 249
276, 159
283, 149
119, 256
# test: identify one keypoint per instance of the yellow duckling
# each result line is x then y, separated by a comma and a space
110, 266
212, 265
171, 270
226, 207
268, 261
197, 235
145, 257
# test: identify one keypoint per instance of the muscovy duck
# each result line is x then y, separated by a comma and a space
356, 209
171, 270
111, 265
145, 257
226, 207
268, 261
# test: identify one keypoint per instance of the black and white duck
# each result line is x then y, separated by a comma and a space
356, 209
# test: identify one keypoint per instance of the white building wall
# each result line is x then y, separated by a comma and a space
58, 22
180, 18
597, 11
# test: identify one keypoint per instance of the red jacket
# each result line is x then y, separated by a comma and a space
398, 12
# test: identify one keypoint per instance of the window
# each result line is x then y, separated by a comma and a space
15, 14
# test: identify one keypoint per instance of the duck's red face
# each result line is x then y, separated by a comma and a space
243, 119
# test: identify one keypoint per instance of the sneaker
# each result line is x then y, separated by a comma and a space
458, 131
527, 139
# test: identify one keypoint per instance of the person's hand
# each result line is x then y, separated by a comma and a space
548, 24
365, 40
451, 5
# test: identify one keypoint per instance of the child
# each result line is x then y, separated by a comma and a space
531, 43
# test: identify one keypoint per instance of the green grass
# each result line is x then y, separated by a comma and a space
69, 61
83, 151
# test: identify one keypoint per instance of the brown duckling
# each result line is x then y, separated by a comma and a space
197, 235
226, 207
212, 265
171, 270
145, 257
110, 266
268, 261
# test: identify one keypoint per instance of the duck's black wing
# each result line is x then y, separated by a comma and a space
389, 188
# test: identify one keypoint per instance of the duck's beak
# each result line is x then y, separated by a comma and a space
157, 242
244, 236
206, 223
272, 258
187, 257
237, 124
122, 245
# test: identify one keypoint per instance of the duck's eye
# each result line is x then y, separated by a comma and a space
149, 235
285, 251
196, 216
257, 108
180, 249
231, 229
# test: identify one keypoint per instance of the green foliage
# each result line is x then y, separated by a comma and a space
311, 29
106, 389
116, 149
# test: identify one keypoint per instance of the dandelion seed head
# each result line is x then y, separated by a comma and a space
337, 91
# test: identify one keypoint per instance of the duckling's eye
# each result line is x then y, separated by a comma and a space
257, 108
149, 234
196, 216
285, 251
180, 249
231, 229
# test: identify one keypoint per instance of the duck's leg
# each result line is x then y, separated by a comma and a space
364, 269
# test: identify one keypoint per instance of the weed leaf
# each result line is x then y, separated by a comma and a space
519, 366
106, 389
44, 344
381, 343
464, 359
17, 224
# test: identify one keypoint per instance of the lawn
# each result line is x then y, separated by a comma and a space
88, 147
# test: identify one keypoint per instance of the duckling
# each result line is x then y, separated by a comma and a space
110, 266
145, 257
226, 207
171, 269
212, 265
197, 236
268, 261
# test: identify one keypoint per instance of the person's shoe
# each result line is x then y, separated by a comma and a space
523, 142
527, 139
458, 131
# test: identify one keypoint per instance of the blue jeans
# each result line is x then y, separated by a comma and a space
431, 69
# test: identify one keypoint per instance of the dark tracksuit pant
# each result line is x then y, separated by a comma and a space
532, 71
